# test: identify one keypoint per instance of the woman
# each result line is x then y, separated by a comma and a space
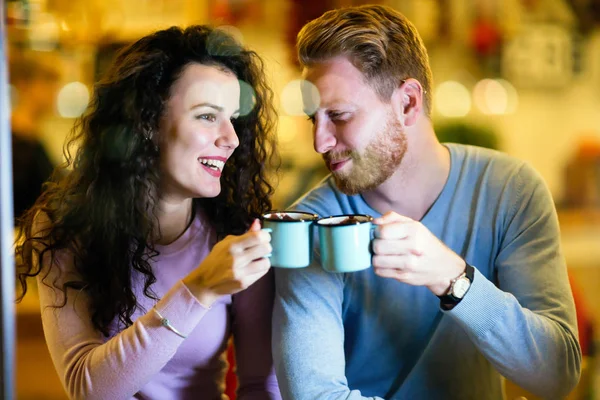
148, 254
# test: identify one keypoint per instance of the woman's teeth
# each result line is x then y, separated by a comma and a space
214, 164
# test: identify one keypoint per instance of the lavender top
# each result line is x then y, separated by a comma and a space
148, 361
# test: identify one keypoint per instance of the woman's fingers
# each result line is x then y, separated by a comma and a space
251, 254
256, 270
249, 239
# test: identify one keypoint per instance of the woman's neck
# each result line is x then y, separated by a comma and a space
173, 220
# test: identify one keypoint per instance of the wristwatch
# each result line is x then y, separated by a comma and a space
458, 289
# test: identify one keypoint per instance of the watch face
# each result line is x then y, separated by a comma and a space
460, 287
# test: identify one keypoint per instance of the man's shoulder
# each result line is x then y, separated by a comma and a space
494, 164
495, 170
483, 155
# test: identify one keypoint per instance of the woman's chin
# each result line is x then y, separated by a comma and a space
208, 191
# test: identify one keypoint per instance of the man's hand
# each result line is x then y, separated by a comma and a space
404, 249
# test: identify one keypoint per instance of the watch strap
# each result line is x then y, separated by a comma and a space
448, 301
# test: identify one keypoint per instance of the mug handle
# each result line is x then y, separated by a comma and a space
267, 230
373, 228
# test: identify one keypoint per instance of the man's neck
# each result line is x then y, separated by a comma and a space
417, 183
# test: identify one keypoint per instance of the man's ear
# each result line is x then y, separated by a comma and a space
407, 101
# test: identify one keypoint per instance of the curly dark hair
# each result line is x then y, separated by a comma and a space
103, 210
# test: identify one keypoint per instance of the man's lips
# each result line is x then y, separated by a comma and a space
337, 164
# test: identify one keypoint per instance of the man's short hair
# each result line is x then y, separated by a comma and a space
379, 41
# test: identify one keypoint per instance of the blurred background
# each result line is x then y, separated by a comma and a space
520, 76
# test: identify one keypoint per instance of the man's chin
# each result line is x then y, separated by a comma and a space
350, 186
354, 183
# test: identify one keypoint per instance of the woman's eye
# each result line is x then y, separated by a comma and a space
207, 117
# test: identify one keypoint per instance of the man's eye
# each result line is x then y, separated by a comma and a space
337, 116
207, 117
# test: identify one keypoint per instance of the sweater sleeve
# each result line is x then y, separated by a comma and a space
308, 335
91, 367
251, 326
526, 326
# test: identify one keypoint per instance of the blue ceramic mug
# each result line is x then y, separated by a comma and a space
345, 242
291, 237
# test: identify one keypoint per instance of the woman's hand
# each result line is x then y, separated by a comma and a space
234, 264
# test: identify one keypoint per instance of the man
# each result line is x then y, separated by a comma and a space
34, 89
468, 281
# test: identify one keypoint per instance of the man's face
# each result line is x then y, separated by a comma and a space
361, 139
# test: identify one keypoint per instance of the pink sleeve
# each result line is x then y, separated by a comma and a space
251, 316
92, 367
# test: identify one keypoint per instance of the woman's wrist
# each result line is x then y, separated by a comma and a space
204, 295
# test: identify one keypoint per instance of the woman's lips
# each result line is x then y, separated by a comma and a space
214, 172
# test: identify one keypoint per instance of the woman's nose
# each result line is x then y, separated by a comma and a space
228, 138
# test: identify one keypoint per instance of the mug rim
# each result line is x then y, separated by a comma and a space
313, 217
369, 219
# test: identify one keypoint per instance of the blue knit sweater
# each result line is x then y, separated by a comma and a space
357, 335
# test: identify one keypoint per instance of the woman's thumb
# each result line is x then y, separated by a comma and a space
255, 227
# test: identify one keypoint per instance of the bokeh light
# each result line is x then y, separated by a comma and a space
287, 130
233, 31
247, 98
224, 42
73, 99
512, 96
44, 33
452, 99
299, 98
495, 96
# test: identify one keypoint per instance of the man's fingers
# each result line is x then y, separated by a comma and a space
391, 216
393, 273
390, 247
396, 247
394, 230
403, 262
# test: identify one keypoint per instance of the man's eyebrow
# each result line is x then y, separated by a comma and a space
335, 105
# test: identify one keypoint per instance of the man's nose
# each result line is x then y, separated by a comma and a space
323, 136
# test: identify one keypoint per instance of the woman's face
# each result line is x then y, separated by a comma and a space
196, 134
